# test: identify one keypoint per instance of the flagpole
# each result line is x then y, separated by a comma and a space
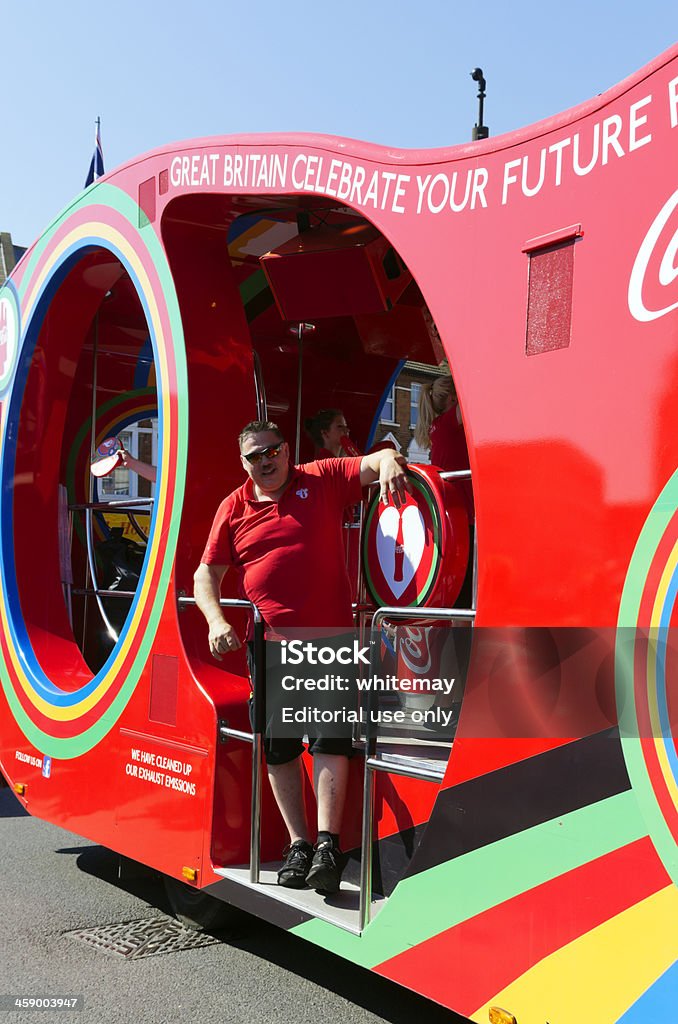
96, 168
99, 148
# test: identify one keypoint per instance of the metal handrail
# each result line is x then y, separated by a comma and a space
373, 764
91, 562
92, 592
224, 602
235, 734
119, 506
255, 737
400, 612
376, 764
259, 388
88, 507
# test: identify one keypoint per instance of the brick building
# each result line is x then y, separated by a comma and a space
10, 255
401, 408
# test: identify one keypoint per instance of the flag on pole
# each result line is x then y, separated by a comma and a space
96, 168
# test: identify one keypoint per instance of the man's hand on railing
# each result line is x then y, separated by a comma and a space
222, 639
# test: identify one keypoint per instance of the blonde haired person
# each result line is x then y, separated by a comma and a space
439, 426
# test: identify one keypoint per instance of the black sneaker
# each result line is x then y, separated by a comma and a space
298, 857
325, 873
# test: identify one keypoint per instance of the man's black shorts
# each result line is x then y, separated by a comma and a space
283, 742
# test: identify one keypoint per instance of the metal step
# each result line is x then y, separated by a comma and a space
404, 764
340, 910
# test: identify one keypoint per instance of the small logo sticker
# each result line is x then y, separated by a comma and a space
47, 766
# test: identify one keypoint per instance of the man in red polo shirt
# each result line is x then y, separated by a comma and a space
282, 530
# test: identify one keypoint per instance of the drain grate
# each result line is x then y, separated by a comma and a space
133, 940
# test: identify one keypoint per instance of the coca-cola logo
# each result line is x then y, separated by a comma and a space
401, 540
414, 649
9, 335
655, 268
416, 554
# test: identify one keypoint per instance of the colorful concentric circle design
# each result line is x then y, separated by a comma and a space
60, 721
647, 673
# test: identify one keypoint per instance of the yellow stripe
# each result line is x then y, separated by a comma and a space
598, 976
653, 706
663, 587
107, 233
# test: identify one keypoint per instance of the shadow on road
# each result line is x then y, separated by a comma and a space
271, 944
10, 806
360, 986
124, 874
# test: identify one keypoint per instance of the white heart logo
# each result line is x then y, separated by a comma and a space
405, 563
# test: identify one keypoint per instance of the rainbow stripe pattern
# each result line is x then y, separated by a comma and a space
62, 722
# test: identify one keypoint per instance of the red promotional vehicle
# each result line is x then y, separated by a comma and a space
527, 858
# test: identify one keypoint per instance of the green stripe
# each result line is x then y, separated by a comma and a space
653, 530
253, 285
431, 902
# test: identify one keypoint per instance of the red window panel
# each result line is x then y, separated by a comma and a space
549, 298
164, 685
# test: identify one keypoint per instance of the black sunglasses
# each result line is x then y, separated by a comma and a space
271, 452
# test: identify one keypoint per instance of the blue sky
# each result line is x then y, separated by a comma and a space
395, 72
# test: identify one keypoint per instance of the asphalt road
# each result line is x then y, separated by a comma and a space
53, 882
